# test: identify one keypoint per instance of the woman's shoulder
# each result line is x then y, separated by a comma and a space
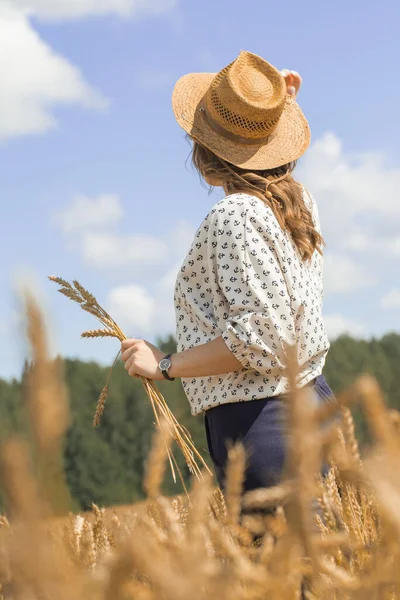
234, 205
231, 209
238, 211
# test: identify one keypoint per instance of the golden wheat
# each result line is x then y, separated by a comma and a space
77, 293
334, 537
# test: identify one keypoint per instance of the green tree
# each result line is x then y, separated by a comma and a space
106, 465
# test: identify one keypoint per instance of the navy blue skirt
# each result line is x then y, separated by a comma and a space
260, 426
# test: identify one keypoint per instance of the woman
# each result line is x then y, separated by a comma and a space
251, 283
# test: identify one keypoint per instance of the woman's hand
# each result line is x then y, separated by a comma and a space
142, 359
293, 82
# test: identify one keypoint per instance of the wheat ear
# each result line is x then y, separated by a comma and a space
77, 293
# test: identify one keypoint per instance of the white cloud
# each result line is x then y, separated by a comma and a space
132, 308
360, 241
337, 325
90, 227
34, 79
357, 194
180, 238
143, 312
391, 299
91, 224
86, 213
343, 275
73, 9
109, 250
166, 284
164, 317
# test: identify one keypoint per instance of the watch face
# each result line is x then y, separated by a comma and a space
165, 364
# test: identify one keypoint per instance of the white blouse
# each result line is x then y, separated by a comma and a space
244, 279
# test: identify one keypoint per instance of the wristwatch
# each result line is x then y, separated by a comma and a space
165, 365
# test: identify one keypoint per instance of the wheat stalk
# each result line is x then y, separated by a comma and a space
77, 293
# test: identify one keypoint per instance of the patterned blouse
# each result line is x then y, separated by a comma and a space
243, 279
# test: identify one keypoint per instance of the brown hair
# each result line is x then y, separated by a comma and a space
276, 187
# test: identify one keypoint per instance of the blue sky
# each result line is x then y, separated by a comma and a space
92, 163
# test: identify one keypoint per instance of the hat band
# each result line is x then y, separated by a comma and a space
229, 135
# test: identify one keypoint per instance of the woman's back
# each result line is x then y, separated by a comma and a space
243, 278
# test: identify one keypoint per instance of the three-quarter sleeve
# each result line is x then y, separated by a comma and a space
251, 279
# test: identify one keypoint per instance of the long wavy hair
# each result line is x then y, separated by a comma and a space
276, 187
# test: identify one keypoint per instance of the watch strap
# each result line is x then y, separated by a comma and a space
164, 372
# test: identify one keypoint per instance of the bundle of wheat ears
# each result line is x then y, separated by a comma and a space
76, 292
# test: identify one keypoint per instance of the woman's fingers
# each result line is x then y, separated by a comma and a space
128, 350
291, 90
293, 81
296, 81
130, 367
128, 362
289, 82
128, 353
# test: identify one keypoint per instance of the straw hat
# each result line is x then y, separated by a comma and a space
243, 114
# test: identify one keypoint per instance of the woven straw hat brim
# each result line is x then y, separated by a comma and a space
287, 143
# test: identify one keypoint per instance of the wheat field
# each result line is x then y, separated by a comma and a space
331, 537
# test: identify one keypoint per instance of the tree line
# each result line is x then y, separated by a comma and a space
106, 465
